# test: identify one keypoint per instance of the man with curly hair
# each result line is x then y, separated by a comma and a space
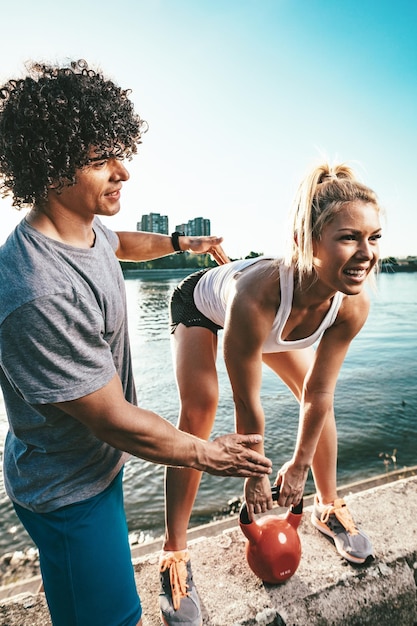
65, 365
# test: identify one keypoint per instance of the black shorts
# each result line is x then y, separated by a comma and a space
183, 309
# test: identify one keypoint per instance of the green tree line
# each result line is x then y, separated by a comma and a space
177, 261
201, 261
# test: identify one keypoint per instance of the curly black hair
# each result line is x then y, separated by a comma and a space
52, 119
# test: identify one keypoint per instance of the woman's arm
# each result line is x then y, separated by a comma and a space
249, 317
317, 402
250, 314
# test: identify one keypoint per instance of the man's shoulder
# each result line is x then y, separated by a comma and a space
25, 272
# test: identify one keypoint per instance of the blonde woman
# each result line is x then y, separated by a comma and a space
273, 311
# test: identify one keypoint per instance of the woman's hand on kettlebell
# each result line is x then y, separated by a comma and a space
258, 495
292, 479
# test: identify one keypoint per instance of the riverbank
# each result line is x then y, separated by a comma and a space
324, 591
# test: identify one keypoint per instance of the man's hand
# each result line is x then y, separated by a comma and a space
205, 245
231, 455
258, 496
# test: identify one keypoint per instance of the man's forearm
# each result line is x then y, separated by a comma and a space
146, 435
143, 246
143, 433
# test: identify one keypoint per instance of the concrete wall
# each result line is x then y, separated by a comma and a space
324, 591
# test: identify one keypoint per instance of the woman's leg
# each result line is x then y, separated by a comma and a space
324, 465
292, 368
194, 353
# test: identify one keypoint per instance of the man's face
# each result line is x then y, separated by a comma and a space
97, 189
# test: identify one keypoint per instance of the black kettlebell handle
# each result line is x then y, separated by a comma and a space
297, 509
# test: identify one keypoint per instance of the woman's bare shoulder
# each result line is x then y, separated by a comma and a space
353, 311
260, 283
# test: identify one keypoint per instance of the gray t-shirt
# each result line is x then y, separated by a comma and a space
63, 335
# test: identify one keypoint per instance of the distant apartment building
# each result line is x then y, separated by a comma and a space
157, 223
153, 223
196, 226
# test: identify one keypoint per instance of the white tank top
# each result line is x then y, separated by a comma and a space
214, 288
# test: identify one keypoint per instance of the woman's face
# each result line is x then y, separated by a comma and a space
348, 248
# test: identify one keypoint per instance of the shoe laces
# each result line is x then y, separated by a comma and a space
177, 564
342, 513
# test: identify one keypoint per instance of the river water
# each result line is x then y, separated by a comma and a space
376, 403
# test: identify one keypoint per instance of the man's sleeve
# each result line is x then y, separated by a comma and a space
53, 349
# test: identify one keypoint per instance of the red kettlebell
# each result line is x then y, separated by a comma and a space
273, 549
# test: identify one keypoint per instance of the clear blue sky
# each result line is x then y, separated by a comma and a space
241, 97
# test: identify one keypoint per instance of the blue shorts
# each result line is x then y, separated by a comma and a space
85, 560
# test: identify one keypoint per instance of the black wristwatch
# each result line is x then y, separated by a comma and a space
175, 242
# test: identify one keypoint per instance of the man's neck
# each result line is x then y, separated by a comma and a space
61, 227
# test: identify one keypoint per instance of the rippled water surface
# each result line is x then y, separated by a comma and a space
376, 402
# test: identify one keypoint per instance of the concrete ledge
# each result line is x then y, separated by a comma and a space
324, 591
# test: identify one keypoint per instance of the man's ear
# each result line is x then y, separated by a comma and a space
58, 185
